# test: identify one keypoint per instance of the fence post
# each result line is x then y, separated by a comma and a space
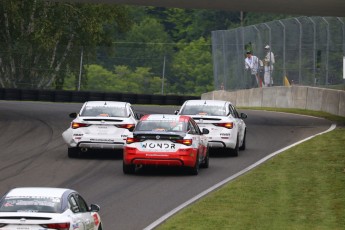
327, 50
284, 47
300, 51
314, 48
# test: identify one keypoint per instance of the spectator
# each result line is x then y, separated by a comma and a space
252, 63
268, 66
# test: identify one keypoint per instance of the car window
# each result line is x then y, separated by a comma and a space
104, 111
73, 205
234, 112
82, 204
205, 109
31, 204
162, 126
191, 128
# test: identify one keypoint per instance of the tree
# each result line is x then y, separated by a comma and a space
193, 68
40, 39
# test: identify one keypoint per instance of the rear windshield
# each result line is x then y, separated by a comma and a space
31, 204
211, 110
104, 111
162, 126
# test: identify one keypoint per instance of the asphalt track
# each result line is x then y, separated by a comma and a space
32, 153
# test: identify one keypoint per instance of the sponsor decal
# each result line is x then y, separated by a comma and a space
225, 134
101, 140
158, 146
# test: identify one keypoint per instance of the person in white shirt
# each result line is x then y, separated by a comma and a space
252, 63
268, 66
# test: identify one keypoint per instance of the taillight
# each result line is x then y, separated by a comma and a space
228, 125
57, 226
130, 127
131, 140
76, 125
187, 142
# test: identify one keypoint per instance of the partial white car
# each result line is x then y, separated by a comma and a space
36, 208
226, 125
99, 125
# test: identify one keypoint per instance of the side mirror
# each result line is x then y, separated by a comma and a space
94, 208
73, 115
205, 131
176, 112
243, 116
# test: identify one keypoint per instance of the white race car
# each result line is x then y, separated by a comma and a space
226, 125
36, 208
99, 125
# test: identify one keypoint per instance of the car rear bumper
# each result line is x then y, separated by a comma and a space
185, 157
100, 145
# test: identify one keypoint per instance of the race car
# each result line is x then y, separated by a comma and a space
47, 208
166, 140
99, 125
226, 125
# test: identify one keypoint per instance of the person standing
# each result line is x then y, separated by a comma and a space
252, 63
268, 66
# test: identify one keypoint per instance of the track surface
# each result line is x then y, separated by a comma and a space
33, 154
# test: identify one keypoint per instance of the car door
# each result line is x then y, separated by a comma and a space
239, 121
78, 217
87, 218
199, 138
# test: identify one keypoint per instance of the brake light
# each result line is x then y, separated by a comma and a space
228, 125
76, 125
57, 226
187, 142
131, 140
130, 127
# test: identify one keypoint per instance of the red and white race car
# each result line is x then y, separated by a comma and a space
166, 140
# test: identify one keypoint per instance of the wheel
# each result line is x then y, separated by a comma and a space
234, 152
73, 152
195, 169
243, 146
128, 169
205, 162
100, 227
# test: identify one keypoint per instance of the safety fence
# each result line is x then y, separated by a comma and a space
307, 51
82, 96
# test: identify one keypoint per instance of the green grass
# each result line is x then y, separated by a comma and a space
301, 188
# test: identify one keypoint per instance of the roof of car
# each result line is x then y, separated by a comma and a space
37, 191
202, 102
107, 103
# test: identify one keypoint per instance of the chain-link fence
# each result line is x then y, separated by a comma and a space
307, 51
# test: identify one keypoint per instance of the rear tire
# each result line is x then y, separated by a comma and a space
128, 169
195, 169
243, 146
235, 151
205, 162
73, 152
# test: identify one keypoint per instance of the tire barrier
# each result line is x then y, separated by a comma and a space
82, 96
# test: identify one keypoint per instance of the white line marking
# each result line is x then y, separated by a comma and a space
214, 187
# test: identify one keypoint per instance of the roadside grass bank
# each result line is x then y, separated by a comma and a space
301, 188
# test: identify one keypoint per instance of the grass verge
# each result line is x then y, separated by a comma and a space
302, 188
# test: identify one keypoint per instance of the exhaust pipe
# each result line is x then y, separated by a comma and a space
84, 150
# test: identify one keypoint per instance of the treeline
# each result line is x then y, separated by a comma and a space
119, 48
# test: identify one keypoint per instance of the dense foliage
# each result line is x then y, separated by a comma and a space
62, 45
